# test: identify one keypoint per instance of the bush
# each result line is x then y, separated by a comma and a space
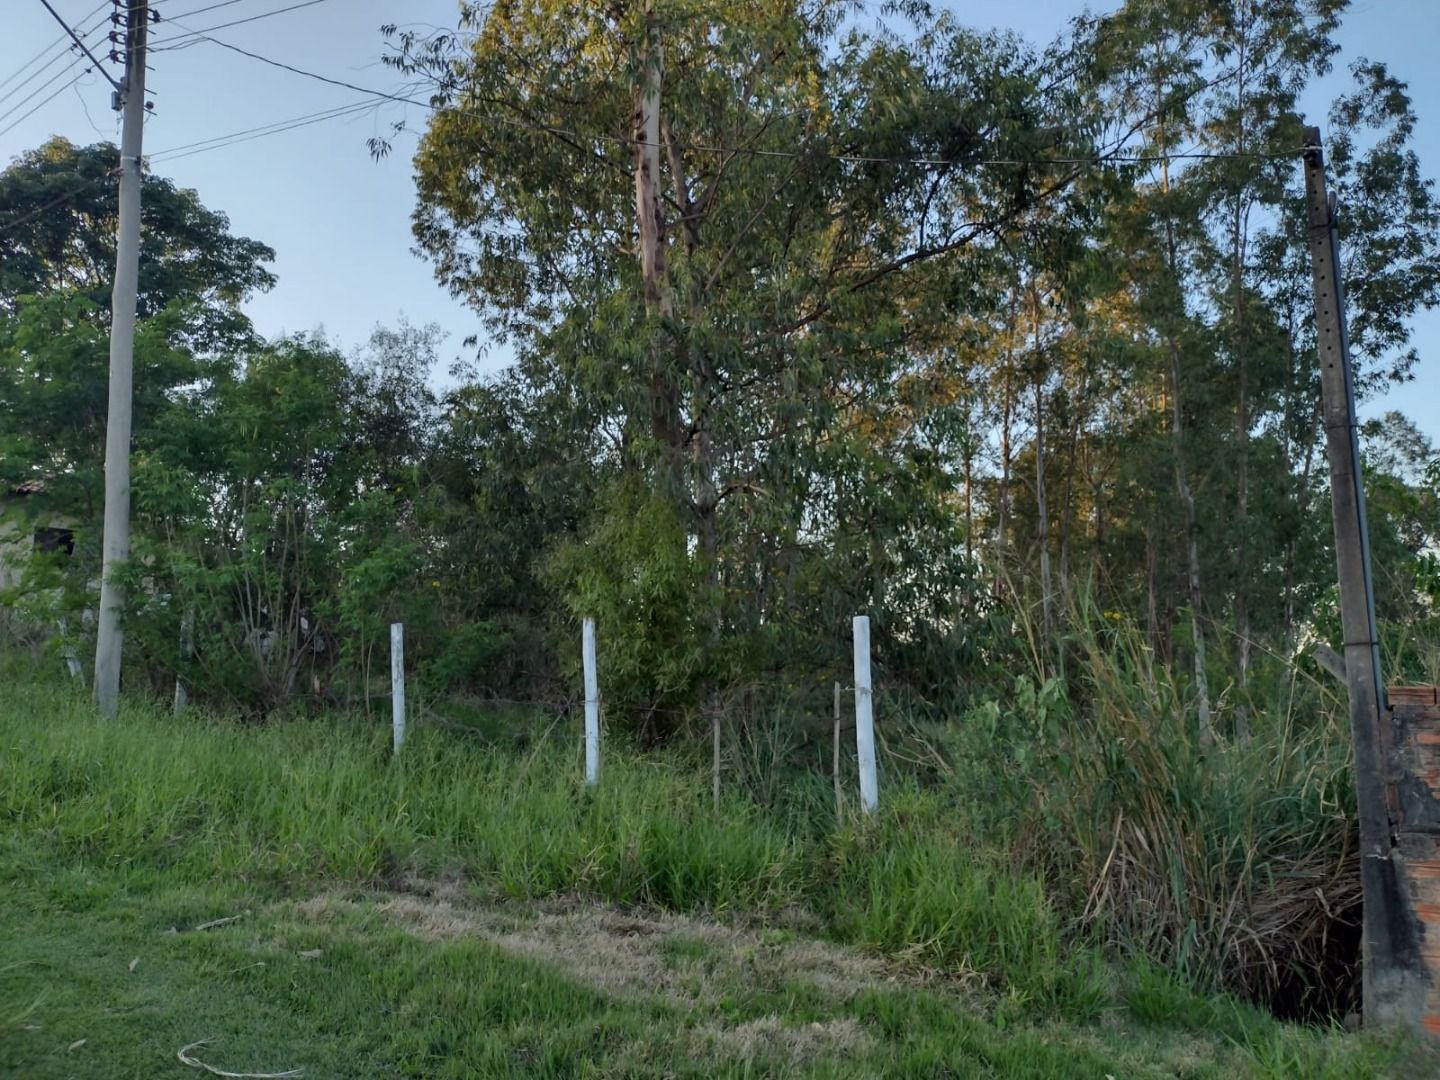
1233, 866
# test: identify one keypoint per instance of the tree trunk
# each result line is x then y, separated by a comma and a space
654, 271
1004, 509
1239, 232
1182, 483
1007, 409
1242, 481
1047, 599
969, 499
1067, 512
1152, 613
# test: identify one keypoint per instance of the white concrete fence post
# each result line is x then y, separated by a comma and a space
865, 716
72, 659
397, 683
592, 707
187, 650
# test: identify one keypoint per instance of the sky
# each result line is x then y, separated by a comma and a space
340, 222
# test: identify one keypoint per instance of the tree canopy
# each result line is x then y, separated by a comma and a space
813, 315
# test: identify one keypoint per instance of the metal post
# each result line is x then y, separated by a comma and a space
116, 541
1393, 973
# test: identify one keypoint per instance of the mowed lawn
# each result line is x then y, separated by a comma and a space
289, 899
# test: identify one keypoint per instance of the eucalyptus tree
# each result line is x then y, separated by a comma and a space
739, 233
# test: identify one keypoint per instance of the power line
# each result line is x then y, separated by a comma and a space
66, 197
61, 49
191, 37
175, 153
1101, 159
197, 11
42, 104
66, 70
57, 55
220, 142
18, 87
57, 42
81, 43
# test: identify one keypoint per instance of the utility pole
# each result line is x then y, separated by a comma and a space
1393, 972
116, 540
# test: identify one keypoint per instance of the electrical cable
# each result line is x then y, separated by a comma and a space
65, 48
41, 88
1100, 159
66, 197
175, 153
220, 142
62, 40
354, 108
191, 37
20, 86
197, 11
80, 43
42, 104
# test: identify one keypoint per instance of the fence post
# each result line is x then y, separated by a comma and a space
397, 683
187, 649
715, 756
72, 660
592, 708
835, 761
864, 715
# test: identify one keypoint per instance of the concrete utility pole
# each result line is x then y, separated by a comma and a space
1393, 971
116, 542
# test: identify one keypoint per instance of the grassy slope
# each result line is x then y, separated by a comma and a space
119, 841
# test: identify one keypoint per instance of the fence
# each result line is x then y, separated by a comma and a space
864, 712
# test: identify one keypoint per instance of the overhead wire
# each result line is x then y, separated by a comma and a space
219, 142
197, 11
58, 200
41, 89
31, 112
354, 108
79, 42
62, 40
65, 48
192, 37
1099, 159
85, 108
184, 150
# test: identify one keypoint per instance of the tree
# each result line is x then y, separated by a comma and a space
58, 211
58, 208
736, 233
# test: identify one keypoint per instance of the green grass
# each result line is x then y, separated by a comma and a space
471, 912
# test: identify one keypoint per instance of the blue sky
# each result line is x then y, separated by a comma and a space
339, 222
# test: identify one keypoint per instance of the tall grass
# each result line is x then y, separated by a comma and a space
285, 805
1235, 865
1067, 813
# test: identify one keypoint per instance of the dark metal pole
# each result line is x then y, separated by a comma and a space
1393, 972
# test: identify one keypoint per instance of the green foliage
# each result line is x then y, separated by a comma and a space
382, 907
874, 324
635, 576
1234, 866
188, 255
919, 885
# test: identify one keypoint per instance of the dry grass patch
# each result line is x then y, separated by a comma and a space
769, 1038
684, 959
